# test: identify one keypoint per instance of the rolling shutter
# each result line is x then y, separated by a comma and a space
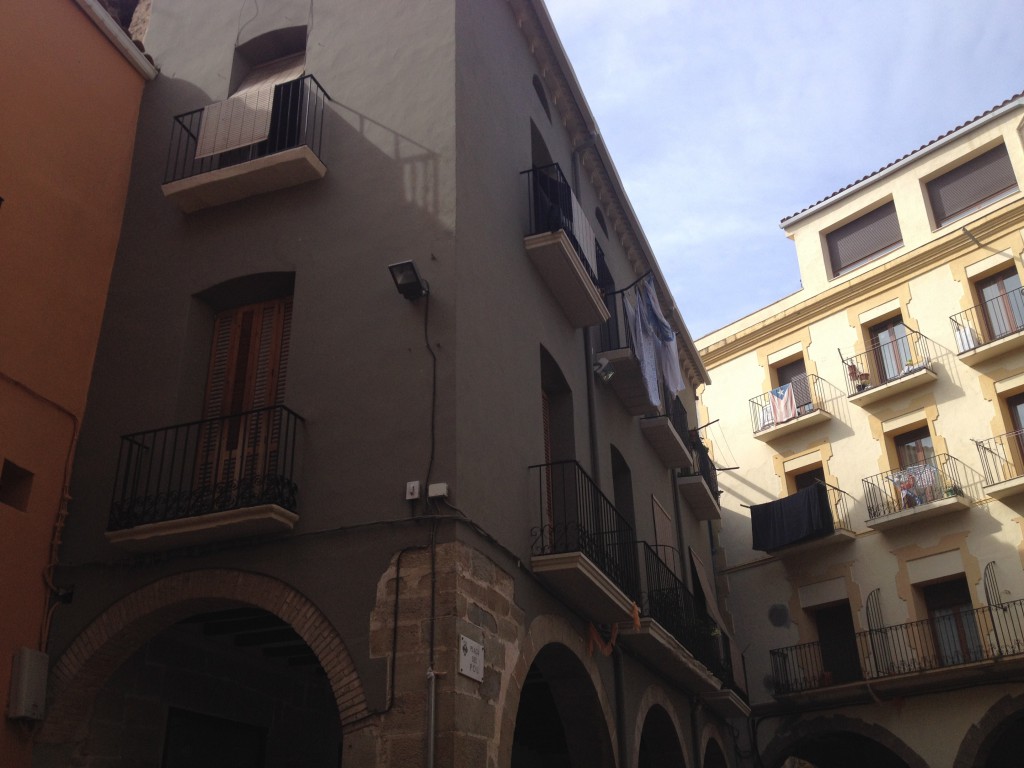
975, 182
871, 235
244, 118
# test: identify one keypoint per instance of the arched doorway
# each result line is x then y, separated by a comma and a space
713, 757
659, 743
198, 666
559, 721
840, 749
1008, 745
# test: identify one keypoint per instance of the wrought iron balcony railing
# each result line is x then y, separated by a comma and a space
887, 363
958, 637
553, 207
575, 516
805, 394
615, 332
214, 465
939, 477
296, 119
705, 467
840, 502
1002, 457
671, 604
989, 321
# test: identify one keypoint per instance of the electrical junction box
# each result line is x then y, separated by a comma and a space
437, 491
27, 698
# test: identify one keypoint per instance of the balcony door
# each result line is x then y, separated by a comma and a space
248, 364
1002, 304
891, 348
954, 628
838, 641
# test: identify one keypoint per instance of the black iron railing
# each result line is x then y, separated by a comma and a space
889, 362
936, 478
805, 394
207, 466
575, 516
671, 604
1002, 457
954, 638
297, 118
840, 502
615, 332
704, 466
553, 207
989, 321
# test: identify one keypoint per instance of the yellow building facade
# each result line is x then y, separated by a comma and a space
872, 531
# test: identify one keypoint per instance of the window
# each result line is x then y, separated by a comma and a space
254, 112
951, 615
622, 485
919, 480
795, 375
15, 485
1002, 304
890, 348
248, 366
971, 186
872, 235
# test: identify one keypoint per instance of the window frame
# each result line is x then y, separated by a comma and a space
977, 203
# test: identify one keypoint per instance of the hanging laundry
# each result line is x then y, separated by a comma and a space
783, 403
644, 344
664, 337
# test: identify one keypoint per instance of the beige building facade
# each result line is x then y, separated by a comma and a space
872, 532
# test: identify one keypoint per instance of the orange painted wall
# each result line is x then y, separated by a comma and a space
67, 127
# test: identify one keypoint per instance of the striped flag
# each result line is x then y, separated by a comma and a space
783, 403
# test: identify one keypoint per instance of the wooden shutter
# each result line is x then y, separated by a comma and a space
967, 186
871, 235
244, 119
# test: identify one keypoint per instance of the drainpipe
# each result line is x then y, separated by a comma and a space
588, 363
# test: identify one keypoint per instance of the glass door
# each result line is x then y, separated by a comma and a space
1002, 305
954, 627
919, 476
891, 349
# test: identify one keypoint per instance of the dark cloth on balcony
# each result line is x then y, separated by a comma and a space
804, 515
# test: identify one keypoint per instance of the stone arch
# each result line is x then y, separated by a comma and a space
977, 745
712, 743
787, 738
656, 696
546, 631
124, 627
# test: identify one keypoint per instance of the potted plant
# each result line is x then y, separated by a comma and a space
954, 490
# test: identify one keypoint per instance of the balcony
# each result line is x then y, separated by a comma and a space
582, 547
890, 369
990, 329
668, 433
810, 519
288, 155
682, 640
561, 246
922, 491
699, 485
615, 345
794, 406
976, 644
1002, 460
206, 481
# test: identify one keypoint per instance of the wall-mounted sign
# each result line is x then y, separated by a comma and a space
471, 658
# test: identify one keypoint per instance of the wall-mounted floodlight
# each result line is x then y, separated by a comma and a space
408, 280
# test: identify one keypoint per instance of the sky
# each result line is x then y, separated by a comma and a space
722, 118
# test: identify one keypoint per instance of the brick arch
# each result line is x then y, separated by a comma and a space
546, 631
656, 696
981, 737
124, 627
820, 726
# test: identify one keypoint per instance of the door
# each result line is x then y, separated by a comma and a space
891, 348
919, 476
1015, 443
953, 624
838, 642
241, 429
1002, 305
795, 374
